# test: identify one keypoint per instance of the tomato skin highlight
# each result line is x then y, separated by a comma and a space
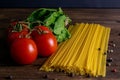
45, 40
24, 51
46, 44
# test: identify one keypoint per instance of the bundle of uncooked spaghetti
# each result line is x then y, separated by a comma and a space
84, 53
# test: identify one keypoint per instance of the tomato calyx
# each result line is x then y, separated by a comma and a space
40, 31
19, 26
45, 40
23, 29
19, 29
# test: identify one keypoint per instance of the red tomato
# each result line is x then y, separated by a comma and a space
12, 36
11, 26
37, 29
15, 35
24, 51
16, 31
46, 42
43, 28
13, 23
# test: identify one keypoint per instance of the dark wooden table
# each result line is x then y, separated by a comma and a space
106, 17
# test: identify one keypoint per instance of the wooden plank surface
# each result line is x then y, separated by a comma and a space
106, 17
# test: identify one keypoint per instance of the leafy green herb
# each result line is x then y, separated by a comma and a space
55, 19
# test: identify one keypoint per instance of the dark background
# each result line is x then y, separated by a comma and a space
61, 3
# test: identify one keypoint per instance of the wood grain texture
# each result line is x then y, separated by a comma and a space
106, 17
